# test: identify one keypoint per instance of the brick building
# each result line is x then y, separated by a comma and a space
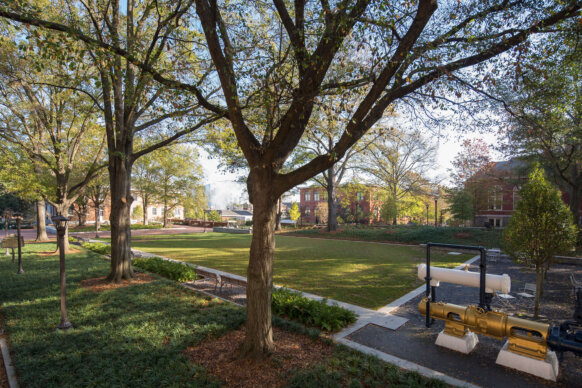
496, 192
313, 203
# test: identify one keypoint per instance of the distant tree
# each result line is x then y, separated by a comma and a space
81, 209
461, 205
294, 213
137, 212
195, 204
214, 215
399, 164
540, 228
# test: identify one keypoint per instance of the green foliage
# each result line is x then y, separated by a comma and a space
175, 271
127, 336
348, 368
294, 213
214, 215
102, 249
311, 312
540, 228
541, 225
461, 205
137, 212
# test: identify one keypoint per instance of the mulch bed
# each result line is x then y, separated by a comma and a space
101, 284
292, 351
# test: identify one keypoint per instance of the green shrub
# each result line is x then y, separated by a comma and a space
102, 249
311, 312
167, 269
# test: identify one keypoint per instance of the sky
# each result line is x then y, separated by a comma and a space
226, 190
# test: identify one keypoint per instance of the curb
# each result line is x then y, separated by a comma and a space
10, 373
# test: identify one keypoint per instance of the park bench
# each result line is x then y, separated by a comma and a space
233, 281
210, 276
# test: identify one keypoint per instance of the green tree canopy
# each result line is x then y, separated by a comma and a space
540, 228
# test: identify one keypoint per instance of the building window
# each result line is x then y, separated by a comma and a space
154, 211
316, 196
360, 196
307, 211
101, 213
495, 198
177, 211
495, 222
308, 196
71, 211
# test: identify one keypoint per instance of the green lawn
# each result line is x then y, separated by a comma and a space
135, 336
411, 234
366, 274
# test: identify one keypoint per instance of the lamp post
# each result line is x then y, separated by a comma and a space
427, 214
436, 198
18, 217
7, 216
61, 225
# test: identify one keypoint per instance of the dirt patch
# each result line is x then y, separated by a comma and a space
292, 351
101, 284
462, 235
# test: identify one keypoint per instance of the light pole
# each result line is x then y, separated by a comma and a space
436, 198
18, 217
7, 216
61, 225
427, 214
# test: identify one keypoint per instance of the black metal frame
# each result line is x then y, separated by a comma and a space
431, 291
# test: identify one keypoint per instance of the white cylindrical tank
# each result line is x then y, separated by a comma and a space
493, 283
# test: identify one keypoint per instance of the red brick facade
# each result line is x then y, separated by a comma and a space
369, 205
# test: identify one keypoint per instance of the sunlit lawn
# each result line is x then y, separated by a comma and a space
366, 274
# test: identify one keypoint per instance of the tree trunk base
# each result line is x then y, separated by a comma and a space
118, 277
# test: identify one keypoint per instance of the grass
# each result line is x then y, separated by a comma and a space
412, 235
106, 228
136, 335
366, 274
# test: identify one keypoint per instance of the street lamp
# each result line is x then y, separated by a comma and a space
61, 224
18, 217
7, 215
427, 214
436, 198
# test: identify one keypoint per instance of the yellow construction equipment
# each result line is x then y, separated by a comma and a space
525, 337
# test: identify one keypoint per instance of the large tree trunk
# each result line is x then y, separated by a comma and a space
62, 209
259, 336
97, 220
120, 175
538, 288
145, 203
278, 215
41, 221
331, 200
165, 224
